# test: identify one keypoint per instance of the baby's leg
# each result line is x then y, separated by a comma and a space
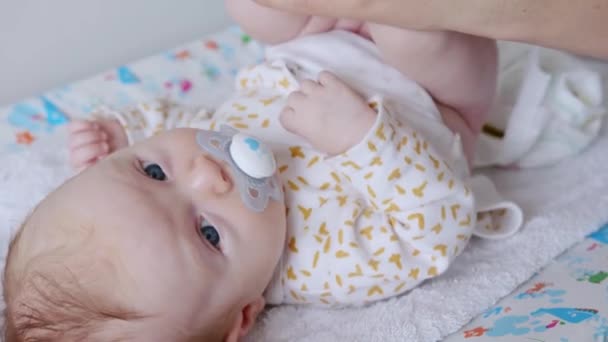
265, 24
458, 70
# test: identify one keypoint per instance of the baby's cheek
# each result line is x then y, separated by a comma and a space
275, 225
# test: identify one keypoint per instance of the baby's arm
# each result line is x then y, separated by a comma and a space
327, 113
110, 130
414, 216
458, 70
150, 118
91, 140
266, 24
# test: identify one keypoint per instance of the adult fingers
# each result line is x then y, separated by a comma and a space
332, 8
409, 14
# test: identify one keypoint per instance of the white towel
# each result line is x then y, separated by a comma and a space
550, 106
561, 205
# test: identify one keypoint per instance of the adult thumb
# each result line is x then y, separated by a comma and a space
333, 8
411, 14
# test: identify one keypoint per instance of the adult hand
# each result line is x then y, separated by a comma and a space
578, 26
411, 14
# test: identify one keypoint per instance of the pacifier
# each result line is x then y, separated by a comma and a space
252, 156
251, 160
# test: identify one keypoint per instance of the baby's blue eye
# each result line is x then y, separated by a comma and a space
209, 233
156, 172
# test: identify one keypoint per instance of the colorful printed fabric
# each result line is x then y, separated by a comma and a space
565, 302
197, 74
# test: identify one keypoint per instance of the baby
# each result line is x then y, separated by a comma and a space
306, 187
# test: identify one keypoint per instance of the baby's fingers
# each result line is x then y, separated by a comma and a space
77, 125
83, 155
87, 137
297, 123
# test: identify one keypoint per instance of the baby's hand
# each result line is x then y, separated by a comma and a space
328, 113
92, 140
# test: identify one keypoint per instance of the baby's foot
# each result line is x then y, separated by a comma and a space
328, 113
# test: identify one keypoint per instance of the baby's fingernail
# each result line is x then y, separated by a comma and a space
105, 147
104, 135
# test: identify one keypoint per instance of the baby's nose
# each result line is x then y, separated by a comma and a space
209, 176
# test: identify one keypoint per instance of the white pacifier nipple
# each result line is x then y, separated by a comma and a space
251, 161
252, 156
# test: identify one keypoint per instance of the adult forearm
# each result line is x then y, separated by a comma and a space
264, 23
579, 26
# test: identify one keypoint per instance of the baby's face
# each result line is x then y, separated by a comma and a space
176, 222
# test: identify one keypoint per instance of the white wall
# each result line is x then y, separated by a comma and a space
47, 43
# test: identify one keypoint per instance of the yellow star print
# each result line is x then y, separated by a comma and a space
296, 152
442, 249
367, 232
419, 218
380, 132
395, 174
305, 212
419, 191
323, 229
374, 264
292, 245
284, 83
414, 273
396, 259
268, 102
342, 254
375, 290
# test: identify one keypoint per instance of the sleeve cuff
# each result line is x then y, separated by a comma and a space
371, 146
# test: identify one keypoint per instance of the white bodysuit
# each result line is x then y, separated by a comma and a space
368, 224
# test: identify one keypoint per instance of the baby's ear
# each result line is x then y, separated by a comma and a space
245, 320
